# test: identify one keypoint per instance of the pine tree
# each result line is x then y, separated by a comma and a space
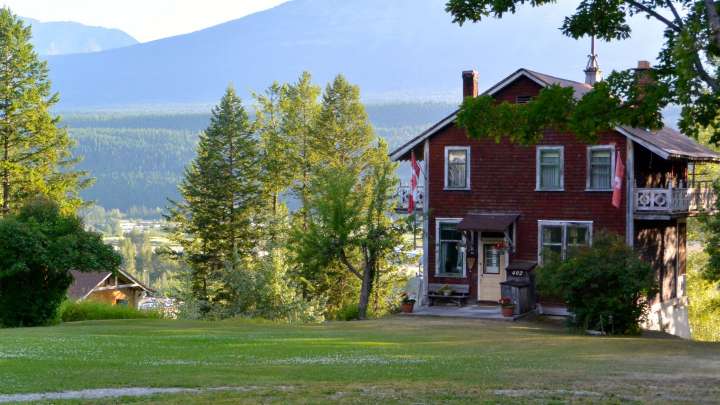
35, 156
220, 217
301, 109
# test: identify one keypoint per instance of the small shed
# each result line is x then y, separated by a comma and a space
120, 288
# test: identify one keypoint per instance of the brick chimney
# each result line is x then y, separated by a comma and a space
470, 83
643, 76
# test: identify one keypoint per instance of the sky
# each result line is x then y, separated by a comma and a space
145, 20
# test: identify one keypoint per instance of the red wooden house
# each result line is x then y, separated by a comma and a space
489, 207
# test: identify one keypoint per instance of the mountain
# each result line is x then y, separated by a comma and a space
394, 49
58, 38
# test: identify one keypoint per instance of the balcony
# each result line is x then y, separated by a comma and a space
691, 200
403, 196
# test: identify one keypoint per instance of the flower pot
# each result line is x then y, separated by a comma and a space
407, 307
508, 311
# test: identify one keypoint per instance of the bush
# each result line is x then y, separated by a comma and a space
38, 248
605, 286
704, 297
72, 311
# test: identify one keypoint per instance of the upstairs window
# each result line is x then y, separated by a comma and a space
523, 99
549, 176
457, 168
562, 238
451, 252
601, 160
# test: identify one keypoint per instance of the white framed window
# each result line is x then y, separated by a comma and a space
600, 167
450, 249
561, 238
457, 168
550, 167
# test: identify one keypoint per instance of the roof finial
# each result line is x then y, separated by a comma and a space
593, 74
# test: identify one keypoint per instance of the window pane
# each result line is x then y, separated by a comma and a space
449, 232
457, 169
552, 234
492, 260
578, 235
600, 162
451, 258
550, 168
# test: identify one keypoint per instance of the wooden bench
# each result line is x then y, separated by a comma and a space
458, 295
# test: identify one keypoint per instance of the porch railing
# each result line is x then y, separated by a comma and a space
691, 200
403, 196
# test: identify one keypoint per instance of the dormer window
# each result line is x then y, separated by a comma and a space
523, 99
457, 168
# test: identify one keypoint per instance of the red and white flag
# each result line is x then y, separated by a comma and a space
413, 182
618, 181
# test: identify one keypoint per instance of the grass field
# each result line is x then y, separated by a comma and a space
402, 360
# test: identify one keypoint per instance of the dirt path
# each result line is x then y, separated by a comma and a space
110, 393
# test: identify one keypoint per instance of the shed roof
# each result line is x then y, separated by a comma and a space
85, 282
489, 222
666, 143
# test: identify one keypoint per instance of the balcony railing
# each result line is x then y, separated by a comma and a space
690, 200
403, 195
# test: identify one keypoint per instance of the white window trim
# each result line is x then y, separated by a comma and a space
562, 167
439, 221
612, 166
564, 224
467, 171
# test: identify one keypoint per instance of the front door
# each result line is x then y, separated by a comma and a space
491, 271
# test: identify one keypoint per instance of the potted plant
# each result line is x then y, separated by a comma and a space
445, 290
507, 306
407, 303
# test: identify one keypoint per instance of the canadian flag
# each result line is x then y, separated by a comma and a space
413, 182
618, 181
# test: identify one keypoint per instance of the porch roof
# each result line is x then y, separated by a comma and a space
489, 222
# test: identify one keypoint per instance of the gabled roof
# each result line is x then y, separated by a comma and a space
85, 282
666, 143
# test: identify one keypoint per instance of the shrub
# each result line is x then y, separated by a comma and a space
72, 311
38, 248
605, 286
704, 297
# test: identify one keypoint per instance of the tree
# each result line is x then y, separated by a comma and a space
35, 155
220, 216
38, 248
688, 73
301, 109
349, 223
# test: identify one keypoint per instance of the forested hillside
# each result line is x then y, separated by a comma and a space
138, 159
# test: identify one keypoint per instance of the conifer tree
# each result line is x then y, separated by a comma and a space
219, 219
35, 156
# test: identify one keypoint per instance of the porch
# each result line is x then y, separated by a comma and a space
698, 198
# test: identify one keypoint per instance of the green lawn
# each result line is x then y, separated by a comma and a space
404, 360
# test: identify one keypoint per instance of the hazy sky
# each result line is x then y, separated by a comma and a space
145, 20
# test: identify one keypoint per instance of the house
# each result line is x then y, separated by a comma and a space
489, 208
103, 286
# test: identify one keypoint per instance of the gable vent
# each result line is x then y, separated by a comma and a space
522, 99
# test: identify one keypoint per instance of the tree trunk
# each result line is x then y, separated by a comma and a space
366, 290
